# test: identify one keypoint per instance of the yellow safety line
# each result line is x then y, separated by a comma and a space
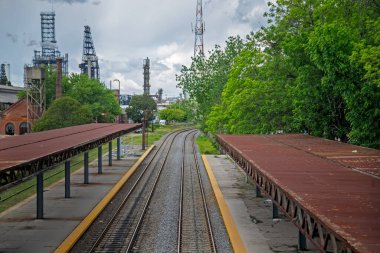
233, 233
69, 242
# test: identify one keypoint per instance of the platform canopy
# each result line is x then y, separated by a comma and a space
26, 155
330, 190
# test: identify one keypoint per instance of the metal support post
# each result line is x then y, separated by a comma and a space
143, 136
258, 192
100, 160
40, 196
110, 153
67, 179
85, 161
301, 241
275, 211
118, 148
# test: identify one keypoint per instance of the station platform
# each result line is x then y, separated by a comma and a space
22, 232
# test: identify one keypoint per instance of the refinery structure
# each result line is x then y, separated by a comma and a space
34, 76
89, 65
49, 52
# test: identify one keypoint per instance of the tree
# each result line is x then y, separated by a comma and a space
139, 104
101, 101
63, 112
172, 114
3, 77
206, 77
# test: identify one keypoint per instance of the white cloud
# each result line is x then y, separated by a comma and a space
124, 33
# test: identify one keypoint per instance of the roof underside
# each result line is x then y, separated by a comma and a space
28, 154
338, 183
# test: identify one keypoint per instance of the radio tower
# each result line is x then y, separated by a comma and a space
146, 66
89, 65
198, 30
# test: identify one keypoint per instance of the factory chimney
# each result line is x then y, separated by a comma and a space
58, 83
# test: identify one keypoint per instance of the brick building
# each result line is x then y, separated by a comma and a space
13, 121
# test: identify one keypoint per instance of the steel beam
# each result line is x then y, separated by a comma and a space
274, 211
40, 195
67, 179
301, 241
118, 148
110, 153
100, 160
85, 161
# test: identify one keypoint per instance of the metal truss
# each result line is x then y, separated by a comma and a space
29, 169
324, 238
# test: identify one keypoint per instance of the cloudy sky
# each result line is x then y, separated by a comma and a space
124, 33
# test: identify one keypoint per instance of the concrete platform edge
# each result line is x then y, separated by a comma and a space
71, 239
233, 233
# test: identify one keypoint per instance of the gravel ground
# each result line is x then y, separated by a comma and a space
222, 240
160, 225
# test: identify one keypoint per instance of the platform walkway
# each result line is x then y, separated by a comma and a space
20, 230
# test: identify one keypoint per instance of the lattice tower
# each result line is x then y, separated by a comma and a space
50, 50
199, 30
34, 81
90, 64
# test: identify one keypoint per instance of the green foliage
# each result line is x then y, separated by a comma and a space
172, 115
63, 112
205, 145
314, 68
205, 79
101, 101
3, 77
21, 94
139, 104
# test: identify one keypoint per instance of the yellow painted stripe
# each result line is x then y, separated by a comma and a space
69, 242
233, 233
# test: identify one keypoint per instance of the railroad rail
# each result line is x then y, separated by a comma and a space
333, 204
194, 224
120, 229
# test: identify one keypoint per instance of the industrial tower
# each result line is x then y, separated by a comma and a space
198, 30
50, 50
146, 66
89, 65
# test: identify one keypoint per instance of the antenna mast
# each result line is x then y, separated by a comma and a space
198, 30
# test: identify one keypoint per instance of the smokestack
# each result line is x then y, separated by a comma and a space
58, 83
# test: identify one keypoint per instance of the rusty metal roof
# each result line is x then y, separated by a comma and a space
338, 183
54, 146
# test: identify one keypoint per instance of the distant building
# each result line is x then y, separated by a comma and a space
13, 121
8, 96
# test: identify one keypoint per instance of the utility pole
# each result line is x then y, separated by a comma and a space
198, 30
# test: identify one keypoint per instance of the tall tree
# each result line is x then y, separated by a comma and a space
63, 112
3, 77
138, 105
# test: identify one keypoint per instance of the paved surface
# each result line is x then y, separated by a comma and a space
21, 232
259, 232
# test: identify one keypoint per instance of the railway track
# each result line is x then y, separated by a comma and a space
140, 223
194, 226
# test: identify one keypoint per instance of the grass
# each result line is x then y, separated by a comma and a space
206, 146
22, 191
159, 131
